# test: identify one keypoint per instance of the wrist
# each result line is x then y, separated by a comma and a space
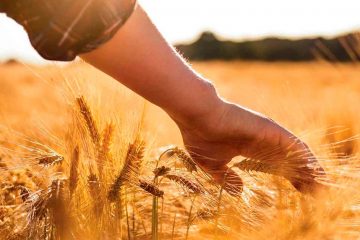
204, 108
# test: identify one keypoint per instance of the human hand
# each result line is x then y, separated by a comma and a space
213, 130
231, 130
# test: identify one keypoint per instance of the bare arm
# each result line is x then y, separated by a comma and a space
214, 131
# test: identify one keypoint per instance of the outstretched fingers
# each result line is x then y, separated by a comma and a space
229, 180
307, 170
296, 162
226, 178
288, 156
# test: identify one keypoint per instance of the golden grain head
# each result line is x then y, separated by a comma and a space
184, 157
89, 120
187, 183
161, 171
74, 169
151, 188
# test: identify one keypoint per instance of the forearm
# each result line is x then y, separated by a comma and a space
142, 60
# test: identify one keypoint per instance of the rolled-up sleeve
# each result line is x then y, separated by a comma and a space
62, 29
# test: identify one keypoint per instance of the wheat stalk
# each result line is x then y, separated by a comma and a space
130, 169
107, 139
189, 221
104, 153
38, 206
74, 175
58, 205
173, 227
90, 121
95, 192
48, 205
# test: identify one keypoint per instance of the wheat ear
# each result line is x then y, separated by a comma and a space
74, 175
190, 185
151, 188
50, 160
130, 169
90, 121
185, 158
249, 165
104, 153
161, 171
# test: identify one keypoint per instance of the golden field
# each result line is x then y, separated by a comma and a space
78, 150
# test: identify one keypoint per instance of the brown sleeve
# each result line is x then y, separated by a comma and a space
62, 29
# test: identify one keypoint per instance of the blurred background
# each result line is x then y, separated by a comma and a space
233, 29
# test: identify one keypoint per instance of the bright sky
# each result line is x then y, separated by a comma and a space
183, 20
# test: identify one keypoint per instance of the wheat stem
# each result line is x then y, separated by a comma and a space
173, 228
189, 218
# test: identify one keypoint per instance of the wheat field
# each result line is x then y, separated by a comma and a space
82, 157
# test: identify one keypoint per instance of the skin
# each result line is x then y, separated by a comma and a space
214, 131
